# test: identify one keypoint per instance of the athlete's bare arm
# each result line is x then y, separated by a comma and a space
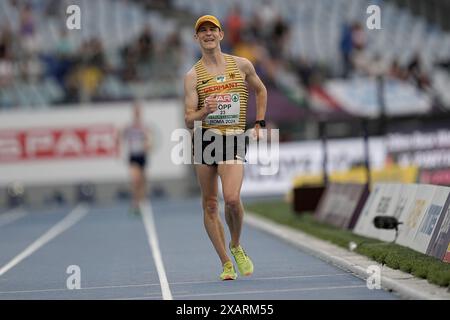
191, 113
148, 140
253, 80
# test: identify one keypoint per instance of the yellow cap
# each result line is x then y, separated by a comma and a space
207, 18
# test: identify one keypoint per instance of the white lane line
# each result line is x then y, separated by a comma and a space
299, 276
173, 283
149, 297
11, 216
263, 278
268, 291
85, 288
68, 221
149, 223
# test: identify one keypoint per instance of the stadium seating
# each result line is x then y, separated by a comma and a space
315, 33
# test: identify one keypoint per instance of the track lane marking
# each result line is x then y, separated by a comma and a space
269, 291
180, 283
68, 221
11, 216
173, 283
152, 237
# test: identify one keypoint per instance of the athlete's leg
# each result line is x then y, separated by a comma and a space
207, 177
142, 186
231, 174
134, 184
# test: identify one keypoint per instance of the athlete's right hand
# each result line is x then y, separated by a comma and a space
210, 104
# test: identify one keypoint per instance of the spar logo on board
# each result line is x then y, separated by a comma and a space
58, 143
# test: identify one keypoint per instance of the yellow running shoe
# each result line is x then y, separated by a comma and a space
244, 264
228, 271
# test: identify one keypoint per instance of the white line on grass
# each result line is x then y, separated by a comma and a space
72, 218
149, 223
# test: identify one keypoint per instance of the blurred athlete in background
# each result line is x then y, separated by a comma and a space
138, 141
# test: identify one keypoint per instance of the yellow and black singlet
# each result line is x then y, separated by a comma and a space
232, 96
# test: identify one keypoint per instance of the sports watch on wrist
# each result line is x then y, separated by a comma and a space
262, 123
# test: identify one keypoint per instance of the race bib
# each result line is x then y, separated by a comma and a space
228, 110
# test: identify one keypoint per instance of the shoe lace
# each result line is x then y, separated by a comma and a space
228, 268
240, 255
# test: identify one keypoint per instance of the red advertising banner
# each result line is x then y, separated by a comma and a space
447, 254
58, 143
436, 176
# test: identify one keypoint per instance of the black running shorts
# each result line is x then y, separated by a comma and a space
212, 148
138, 159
